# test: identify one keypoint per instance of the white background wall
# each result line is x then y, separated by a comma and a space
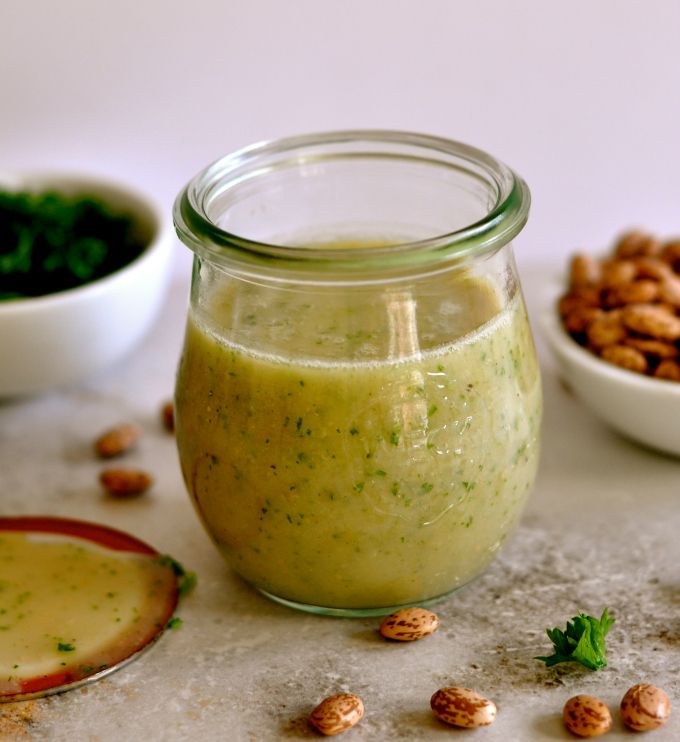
581, 97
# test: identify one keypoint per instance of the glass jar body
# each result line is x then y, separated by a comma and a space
356, 445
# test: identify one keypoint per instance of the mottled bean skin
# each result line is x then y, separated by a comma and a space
337, 714
645, 707
409, 624
463, 707
587, 716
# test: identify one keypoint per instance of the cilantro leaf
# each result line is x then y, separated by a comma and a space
186, 581
583, 641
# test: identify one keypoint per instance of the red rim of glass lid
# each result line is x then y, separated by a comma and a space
102, 536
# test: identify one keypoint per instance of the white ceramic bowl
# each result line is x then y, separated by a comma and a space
642, 408
61, 338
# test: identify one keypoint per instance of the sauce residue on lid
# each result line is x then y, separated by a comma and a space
77, 600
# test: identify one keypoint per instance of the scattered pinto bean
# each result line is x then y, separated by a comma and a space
409, 624
463, 707
116, 441
337, 714
168, 416
587, 716
124, 483
645, 707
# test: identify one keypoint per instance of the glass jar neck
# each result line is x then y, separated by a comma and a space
351, 206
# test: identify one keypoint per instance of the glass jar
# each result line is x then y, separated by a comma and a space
358, 401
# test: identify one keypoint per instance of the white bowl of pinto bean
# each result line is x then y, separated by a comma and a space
616, 335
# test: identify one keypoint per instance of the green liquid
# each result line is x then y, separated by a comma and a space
366, 483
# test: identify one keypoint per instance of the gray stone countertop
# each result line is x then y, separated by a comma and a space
602, 529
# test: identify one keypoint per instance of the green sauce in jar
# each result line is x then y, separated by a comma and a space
385, 479
358, 400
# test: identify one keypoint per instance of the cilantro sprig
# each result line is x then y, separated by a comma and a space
583, 641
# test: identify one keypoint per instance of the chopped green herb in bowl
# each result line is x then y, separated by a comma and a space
50, 242
84, 263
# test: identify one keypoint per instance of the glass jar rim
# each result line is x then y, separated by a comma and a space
504, 220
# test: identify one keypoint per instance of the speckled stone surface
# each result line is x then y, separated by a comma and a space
602, 529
